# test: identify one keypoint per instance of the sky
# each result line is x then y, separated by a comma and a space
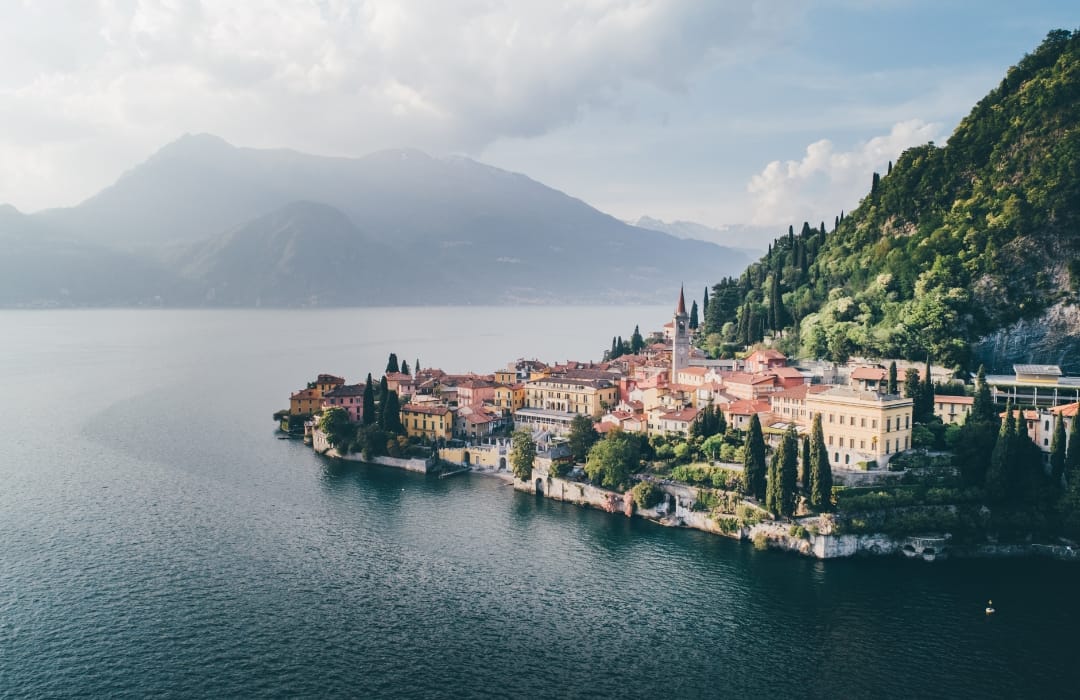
715, 111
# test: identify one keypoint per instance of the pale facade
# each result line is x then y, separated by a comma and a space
953, 410
431, 421
589, 397
861, 427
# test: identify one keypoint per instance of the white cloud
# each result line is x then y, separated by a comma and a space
826, 181
89, 90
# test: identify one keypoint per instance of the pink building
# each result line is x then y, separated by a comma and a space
347, 396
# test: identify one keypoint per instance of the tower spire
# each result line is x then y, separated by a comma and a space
681, 308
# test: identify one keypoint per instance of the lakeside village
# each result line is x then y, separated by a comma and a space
827, 460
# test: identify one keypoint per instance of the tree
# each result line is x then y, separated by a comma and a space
713, 446
998, 480
820, 469
522, 454
913, 391
983, 406
416, 365
705, 303
891, 389
335, 423
1072, 453
369, 402
637, 342
926, 395
693, 323
404, 367
612, 461
754, 466
1057, 452
391, 414
582, 437
780, 486
392, 364
804, 465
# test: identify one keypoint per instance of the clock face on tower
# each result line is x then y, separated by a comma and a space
681, 327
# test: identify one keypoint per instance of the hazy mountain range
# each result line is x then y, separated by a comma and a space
753, 240
204, 223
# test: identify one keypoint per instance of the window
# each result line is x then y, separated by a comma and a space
1046, 425
830, 418
905, 443
841, 419
888, 425
873, 424
887, 444
862, 422
862, 444
830, 440
907, 421
836, 457
847, 459
851, 443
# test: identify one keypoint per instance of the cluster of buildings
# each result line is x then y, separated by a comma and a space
662, 389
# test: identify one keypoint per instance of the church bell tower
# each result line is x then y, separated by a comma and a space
680, 345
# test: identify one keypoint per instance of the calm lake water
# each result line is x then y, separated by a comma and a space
156, 539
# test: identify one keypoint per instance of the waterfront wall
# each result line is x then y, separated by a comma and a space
320, 445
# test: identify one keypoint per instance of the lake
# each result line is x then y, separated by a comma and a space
158, 540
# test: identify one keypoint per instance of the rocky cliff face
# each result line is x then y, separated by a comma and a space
1052, 338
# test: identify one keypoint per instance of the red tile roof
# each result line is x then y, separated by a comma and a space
437, 410
746, 407
873, 374
1069, 410
945, 398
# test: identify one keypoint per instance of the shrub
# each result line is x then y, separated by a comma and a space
748, 515
646, 495
728, 525
761, 541
797, 531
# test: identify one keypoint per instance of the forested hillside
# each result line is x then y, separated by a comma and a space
968, 249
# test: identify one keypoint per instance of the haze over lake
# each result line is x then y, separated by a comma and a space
158, 540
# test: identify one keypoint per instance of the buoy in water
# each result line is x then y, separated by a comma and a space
990, 607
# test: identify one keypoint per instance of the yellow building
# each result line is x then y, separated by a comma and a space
589, 397
506, 376
430, 420
861, 427
310, 400
509, 397
953, 410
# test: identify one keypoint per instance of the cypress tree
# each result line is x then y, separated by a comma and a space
705, 303
369, 402
754, 466
836, 224
891, 389
637, 342
874, 184
983, 406
392, 364
614, 349
789, 471
721, 421
1072, 451
913, 390
404, 367
997, 476
774, 496
693, 316
391, 414
927, 394
416, 365
804, 472
383, 390
1057, 452
820, 468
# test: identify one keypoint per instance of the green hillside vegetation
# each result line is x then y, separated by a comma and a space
951, 244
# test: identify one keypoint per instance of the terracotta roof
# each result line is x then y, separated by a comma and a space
681, 308
437, 410
1027, 414
785, 372
345, 390
744, 378
329, 379
800, 392
306, 394
685, 415
697, 371
746, 407
1069, 410
873, 374
945, 398
605, 427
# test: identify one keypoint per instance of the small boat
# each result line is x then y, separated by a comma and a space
990, 607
